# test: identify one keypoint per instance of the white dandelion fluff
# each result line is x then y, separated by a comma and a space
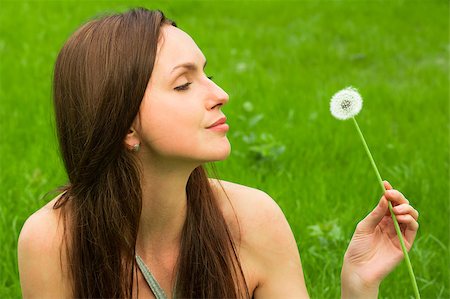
346, 103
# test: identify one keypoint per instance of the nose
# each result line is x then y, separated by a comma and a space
217, 96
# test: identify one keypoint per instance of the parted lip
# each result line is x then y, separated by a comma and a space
220, 121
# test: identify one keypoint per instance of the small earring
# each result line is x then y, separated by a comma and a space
136, 147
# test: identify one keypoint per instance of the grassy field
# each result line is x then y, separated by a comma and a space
280, 62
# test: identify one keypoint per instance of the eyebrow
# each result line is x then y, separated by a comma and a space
188, 65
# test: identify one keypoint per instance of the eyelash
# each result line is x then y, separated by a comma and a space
186, 85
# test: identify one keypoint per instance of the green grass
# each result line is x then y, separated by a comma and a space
282, 61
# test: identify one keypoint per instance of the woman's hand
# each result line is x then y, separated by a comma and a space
375, 249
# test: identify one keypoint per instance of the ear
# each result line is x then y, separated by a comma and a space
132, 139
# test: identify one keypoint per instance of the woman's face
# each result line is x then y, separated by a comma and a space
180, 104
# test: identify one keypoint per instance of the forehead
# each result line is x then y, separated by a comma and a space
175, 47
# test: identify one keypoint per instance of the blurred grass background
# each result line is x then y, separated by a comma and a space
280, 62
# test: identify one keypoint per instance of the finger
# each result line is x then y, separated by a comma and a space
387, 185
369, 223
411, 228
395, 197
406, 209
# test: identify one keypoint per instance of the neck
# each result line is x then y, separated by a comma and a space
164, 207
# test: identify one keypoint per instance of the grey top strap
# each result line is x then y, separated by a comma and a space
154, 286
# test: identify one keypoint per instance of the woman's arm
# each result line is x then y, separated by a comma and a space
40, 270
280, 268
267, 244
374, 250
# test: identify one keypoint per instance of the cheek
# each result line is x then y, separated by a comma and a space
170, 130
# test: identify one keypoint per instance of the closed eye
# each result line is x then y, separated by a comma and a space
183, 87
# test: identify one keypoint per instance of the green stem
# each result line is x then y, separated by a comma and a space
397, 227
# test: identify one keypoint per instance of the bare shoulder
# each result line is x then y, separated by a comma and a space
266, 240
39, 258
243, 198
253, 208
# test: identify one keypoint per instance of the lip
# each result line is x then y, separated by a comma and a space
220, 122
220, 128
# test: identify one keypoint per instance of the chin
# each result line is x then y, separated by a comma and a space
220, 153
223, 157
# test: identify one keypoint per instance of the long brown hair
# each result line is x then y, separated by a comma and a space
100, 77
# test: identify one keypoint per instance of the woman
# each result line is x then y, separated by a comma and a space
136, 119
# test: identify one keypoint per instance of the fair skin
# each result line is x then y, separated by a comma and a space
173, 131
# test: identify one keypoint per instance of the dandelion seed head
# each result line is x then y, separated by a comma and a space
346, 103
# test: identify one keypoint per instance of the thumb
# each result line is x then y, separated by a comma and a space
371, 221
